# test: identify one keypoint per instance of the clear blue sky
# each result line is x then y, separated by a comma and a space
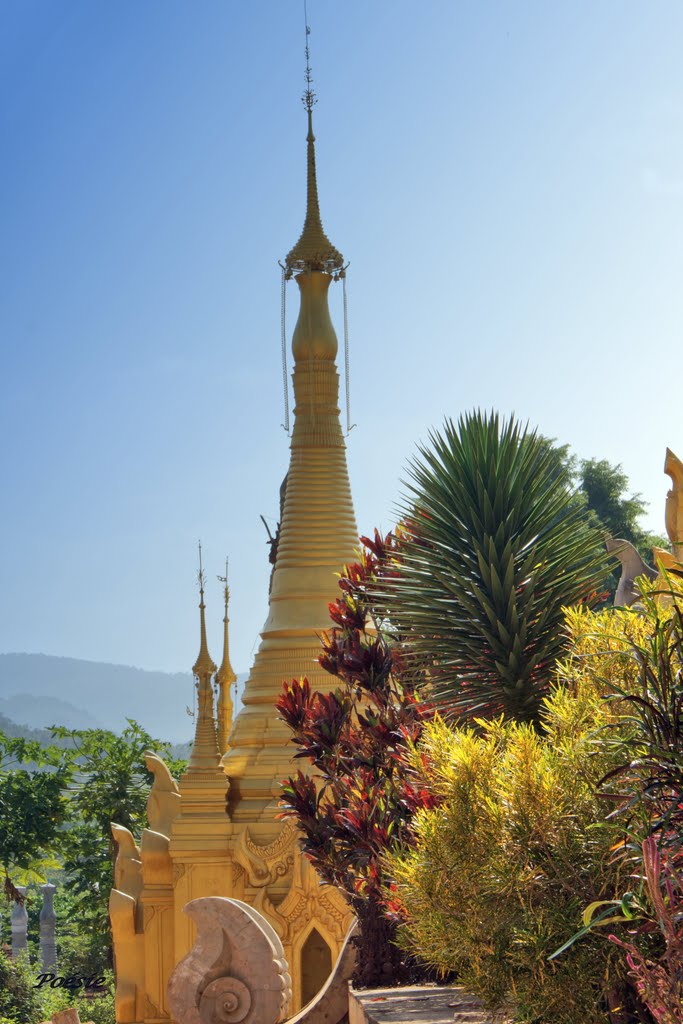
505, 178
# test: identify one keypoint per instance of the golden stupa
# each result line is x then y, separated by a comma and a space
216, 833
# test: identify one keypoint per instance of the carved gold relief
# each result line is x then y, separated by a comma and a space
264, 864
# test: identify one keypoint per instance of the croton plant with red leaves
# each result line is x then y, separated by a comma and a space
358, 796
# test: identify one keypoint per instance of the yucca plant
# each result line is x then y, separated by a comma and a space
495, 544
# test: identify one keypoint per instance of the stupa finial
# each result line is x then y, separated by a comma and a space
205, 753
313, 251
203, 666
225, 677
309, 97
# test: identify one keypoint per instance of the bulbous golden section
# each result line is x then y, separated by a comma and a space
314, 335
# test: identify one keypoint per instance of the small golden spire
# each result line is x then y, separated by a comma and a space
205, 753
203, 665
225, 676
313, 251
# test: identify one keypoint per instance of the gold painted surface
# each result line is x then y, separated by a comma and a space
313, 251
318, 535
673, 516
245, 852
225, 677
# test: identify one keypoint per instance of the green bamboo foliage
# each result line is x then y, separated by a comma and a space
496, 544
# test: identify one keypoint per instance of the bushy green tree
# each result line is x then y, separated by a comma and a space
33, 806
20, 1001
56, 807
614, 509
111, 783
495, 544
606, 489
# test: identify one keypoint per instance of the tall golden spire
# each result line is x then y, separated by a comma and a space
313, 251
225, 676
317, 534
205, 752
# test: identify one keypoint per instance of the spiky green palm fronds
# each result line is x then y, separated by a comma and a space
496, 544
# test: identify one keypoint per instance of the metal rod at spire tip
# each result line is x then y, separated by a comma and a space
224, 579
309, 97
201, 569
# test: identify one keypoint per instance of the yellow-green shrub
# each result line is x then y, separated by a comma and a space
502, 871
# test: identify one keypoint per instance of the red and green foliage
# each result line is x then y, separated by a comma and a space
359, 798
648, 785
660, 981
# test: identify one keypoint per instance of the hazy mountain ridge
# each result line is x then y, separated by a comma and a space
24, 732
40, 712
40, 690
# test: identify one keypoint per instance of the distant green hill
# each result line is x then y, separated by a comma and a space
40, 690
11, 728
39, 712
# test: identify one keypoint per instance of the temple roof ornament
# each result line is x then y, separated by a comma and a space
225, 677
204, 665
313, 251
205, 753
225, 674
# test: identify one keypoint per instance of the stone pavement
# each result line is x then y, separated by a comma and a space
417, 1004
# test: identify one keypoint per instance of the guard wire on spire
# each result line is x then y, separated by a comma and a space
283, 326
313, 251
349, 425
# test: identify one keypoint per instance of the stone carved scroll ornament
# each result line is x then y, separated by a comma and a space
632, 566
236, 973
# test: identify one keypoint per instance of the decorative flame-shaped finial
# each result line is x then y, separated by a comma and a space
313, 251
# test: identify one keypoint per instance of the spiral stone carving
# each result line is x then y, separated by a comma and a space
225, 1001
236, 972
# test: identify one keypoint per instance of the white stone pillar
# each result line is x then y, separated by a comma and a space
19, 925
